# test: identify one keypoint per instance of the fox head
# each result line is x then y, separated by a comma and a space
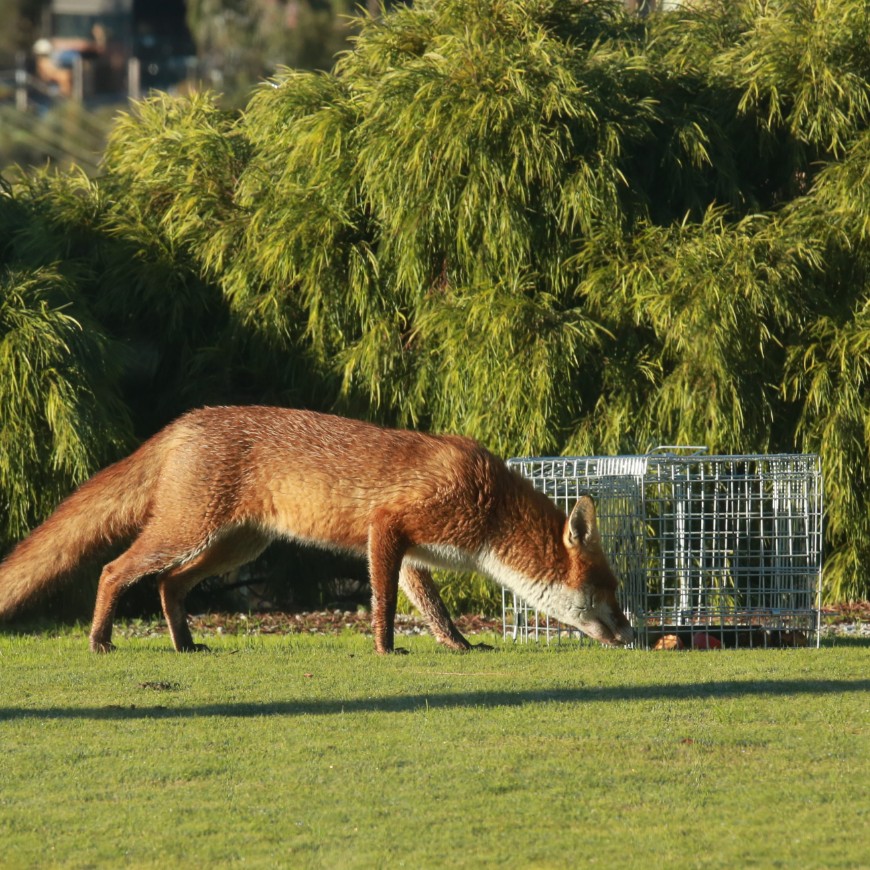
588, 600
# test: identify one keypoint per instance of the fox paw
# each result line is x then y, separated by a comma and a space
482, 647
102, 646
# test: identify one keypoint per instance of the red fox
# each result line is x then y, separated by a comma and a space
210, 491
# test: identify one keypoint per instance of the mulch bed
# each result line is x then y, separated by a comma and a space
310, 622
853, 612
337, 621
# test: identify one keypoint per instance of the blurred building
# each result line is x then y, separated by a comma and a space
92, 48
89, 46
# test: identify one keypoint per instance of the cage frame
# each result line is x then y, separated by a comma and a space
727, 546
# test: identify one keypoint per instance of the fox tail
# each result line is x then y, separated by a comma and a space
112, 505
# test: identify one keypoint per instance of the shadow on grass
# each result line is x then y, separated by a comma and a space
452, 700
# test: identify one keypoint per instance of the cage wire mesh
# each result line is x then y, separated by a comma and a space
710, 550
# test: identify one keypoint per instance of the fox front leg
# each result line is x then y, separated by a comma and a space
418, 585
386, 549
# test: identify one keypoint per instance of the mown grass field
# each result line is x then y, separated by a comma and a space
314, 752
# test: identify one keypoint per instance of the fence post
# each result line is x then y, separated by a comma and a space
20, 82
78, 78
134, 78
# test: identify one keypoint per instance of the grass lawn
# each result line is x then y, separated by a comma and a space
313, 752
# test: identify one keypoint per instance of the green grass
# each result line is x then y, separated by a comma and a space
314, 752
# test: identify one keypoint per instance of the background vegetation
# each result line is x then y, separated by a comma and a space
240, 41
551, 225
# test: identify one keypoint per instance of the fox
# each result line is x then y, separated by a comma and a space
210, 491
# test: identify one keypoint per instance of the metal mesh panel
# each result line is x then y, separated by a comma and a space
724, 546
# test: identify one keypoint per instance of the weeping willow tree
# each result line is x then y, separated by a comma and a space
55, 402
827, 372
551, 225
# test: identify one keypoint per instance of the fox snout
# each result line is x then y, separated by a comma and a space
606, 623
611, 632
622, 632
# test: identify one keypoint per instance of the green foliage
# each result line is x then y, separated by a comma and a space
698, 312
804, 66
57, 405
551, 225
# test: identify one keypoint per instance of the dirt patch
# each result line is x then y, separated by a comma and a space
309, 622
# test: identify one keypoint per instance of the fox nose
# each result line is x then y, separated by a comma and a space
625, 634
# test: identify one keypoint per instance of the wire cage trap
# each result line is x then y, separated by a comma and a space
712, 551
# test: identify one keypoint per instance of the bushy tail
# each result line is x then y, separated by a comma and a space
111, 505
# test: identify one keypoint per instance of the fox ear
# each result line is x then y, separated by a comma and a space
583, 524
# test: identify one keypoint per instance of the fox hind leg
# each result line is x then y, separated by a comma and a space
233, 549
173, 589
141, 559
154, 553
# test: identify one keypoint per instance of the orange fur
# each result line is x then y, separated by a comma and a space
210, 491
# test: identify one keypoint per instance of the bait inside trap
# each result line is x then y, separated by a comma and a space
724, 548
